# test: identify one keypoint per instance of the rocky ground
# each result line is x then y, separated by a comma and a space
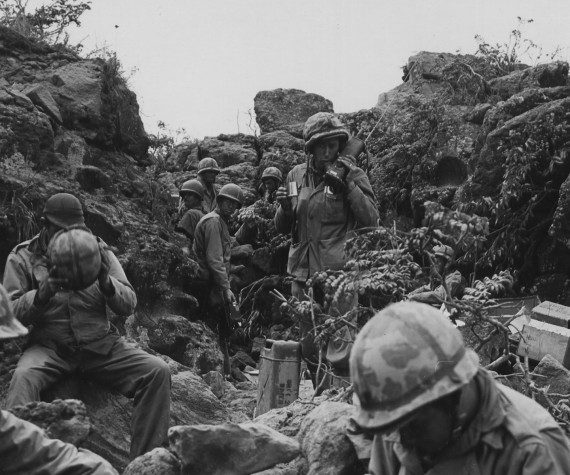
455, 132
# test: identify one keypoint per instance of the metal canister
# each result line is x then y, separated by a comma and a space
279, 375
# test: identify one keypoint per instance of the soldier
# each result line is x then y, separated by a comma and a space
208, 170
71, 330
434, 410
212, 246
192, 193
24, 447
322, 217
271, 180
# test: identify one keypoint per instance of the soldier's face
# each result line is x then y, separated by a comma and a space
191, 200
429, 430
227, 207
209, 177
270, 184
325, 152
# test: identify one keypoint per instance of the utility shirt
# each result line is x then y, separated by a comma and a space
24, 448
209, 202
212, 246
73, 318
320, 223
510, 435
189, 221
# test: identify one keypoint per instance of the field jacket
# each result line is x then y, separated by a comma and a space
212, 246
511, 435
73, 318
209, 202
320, 223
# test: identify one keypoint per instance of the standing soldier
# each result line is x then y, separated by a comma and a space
192, 193
271, 180
71, 330
434, 410
212, 246
24, 447
208, 170
320, 215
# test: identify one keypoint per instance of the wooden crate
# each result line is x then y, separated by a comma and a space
540, 338
553, 313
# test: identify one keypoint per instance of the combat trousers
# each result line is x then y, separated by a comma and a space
126, 369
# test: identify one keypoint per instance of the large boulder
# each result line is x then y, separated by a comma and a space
554, 376
230, 448
191, 402
159, 461
65, 420
287, 109
325, 443
229, 150
543, 76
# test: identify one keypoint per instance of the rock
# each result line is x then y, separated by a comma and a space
280, 139
240, 400
90, 178
193, 344
228, 153
287, 109
61, 419
230, 448
158, 461
241, 359
324, 441
183, 156
41, 97
73, 147
242, 174
216, 382
557, 378
283, 159
191, 402
544, 75
26, 131
477, 115
288, 419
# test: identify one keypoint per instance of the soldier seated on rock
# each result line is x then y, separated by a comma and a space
192, 194
212, 247
24, 447
71, 330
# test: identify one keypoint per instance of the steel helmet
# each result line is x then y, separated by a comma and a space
272, 172
408, 355
76, 256
323, 125
192, 187
64, 210
9, 326
208, 164
232, 192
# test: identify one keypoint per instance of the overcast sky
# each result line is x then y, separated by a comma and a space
198, 64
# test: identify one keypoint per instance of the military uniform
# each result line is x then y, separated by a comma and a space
189, 222
511, 435
72, 331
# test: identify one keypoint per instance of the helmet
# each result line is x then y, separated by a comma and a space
272, 172
232, 192
192, 187
76, 256
323, 125
408, 355
64, 210
9, 326
208, 164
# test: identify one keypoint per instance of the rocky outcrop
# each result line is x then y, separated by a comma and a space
156, 462
287, 109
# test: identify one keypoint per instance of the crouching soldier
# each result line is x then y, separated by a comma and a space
192, 193
71, 330
434, 410
24, 447
212, 246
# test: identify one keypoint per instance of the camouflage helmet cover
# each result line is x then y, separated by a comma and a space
208, 164
9, 326
408, 355
272, 172
323, 125
64, 210
192, 187
231, 191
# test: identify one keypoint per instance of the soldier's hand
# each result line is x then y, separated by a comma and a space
49, 287
282, 198
105, 283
